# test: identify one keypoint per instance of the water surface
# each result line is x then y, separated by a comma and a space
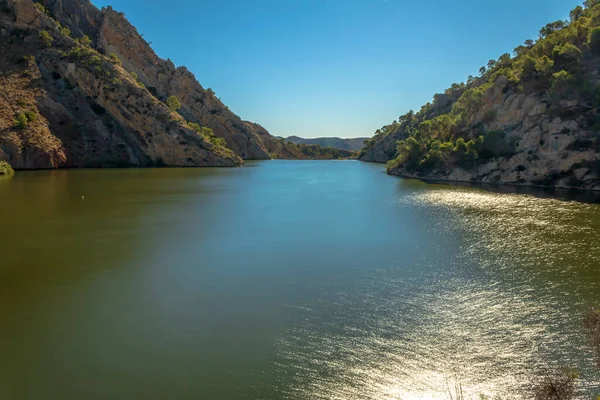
285, 280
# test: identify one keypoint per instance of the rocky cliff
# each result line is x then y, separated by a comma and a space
529, 119
81, 87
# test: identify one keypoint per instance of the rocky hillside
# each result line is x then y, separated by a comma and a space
81, 87
529, 119
351, 144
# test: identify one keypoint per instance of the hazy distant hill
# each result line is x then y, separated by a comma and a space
353, 144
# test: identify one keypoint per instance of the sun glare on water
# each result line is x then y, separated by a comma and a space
481, 326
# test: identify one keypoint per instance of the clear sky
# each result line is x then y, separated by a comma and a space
334, 67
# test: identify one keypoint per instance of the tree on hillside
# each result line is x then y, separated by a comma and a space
173, 103
576, 13
552, 27
591, 3
520, 51
504, 60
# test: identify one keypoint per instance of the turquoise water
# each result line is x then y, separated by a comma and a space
286, 280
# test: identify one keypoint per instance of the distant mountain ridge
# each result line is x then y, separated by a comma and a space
351, 144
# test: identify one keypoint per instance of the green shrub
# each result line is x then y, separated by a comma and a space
195, 127
65, 31
576, 13
527, 65
207, 132
544, 65
470, 100
473, 148
566, 52
392, 164
217, 141
460, 146
46, 38
31, 116
447, 147
431, 160
209, 135
409, 152
39, 7
95, 60
78, 53
5, 168
114, 58
134, 75
173, 103
116, 82
591, 3
85, 40
21, 121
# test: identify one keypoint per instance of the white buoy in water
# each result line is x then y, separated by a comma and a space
82, 197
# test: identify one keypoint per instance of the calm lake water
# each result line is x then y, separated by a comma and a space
285, 280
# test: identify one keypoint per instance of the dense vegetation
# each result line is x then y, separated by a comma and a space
452, 131
352, 144
5, 168
315, 151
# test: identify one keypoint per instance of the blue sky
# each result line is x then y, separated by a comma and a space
334, 67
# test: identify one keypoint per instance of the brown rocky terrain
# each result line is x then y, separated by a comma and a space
90, 91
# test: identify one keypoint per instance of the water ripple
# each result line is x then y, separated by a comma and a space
489, 317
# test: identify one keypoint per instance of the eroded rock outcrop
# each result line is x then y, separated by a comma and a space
111, 33
528, 119
100, 101
540, 142
66, 105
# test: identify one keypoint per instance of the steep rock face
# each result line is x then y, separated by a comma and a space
531, 118
276, 148
112, 33
544, 142
78, 109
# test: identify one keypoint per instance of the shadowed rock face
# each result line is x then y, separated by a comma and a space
86, 108
112, 33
